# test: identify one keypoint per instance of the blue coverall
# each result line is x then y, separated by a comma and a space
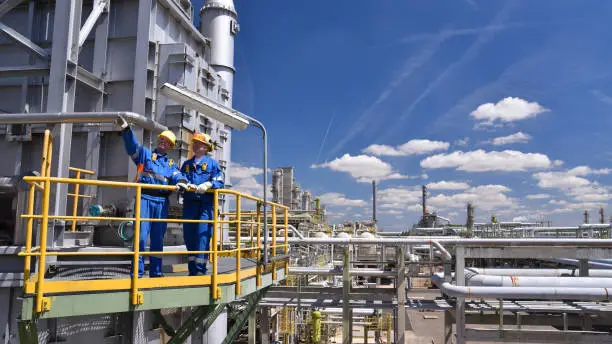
154, 168
199, 207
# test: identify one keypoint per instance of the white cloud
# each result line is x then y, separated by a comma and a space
462, 142
399, 198
482, 161
391, 212
507, 110
444, 185
412, 147
519, 137
574, 183
338, 199
559, 180
538, 196
240, 172
363, 168
249, 186
485, 197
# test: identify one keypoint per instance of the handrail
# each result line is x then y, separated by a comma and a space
75, 196
40, 286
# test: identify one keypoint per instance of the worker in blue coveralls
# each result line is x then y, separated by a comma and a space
203, 173
153, 167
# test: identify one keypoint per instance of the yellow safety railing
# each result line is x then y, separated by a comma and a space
239, 219
75, 196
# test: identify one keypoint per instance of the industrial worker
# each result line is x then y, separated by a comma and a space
153, 167
203, 173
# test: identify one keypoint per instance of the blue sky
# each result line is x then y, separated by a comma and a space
504, 103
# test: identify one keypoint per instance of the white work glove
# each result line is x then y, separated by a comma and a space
203, 187
122, 122
181, 187
192, 187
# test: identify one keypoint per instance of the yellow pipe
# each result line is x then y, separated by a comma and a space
274, 228
80, 170
83, 196
28, 244
286, 231
215, 294
100, 254
102, 218
238, 256
44, 227
43, 167
135, 298
258, 278
75, 200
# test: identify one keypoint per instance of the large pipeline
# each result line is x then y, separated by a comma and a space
453, 240
339, 272
537, 293
80, 117
538, 272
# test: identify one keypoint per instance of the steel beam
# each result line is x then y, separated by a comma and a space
97, 10
89, 79
7, 5
252, 299
62, 89
24, 71
202, 318
23, 41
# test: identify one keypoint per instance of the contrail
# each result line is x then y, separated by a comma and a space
325, 137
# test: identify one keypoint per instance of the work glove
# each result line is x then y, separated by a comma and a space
192, 187
203, 187
181, 187
122, 122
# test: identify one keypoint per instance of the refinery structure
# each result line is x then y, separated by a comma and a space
279, 272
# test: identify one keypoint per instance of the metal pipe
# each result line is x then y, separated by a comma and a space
297, 232
538, 281
538, 272
454, 240
445, 255
260, 125
576, 262
335, 272
81, 117
547, 293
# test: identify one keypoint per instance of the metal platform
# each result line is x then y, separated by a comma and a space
101, 296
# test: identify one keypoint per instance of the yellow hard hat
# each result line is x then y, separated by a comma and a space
204, 138
167, 134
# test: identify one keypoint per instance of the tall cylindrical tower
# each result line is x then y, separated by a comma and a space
219, 22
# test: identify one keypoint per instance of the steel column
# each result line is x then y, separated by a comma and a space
448, 327
460, 307
141, 57
400, 331
92, 160
347, 329
583, 265
264, 328
252, 331
62, 88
